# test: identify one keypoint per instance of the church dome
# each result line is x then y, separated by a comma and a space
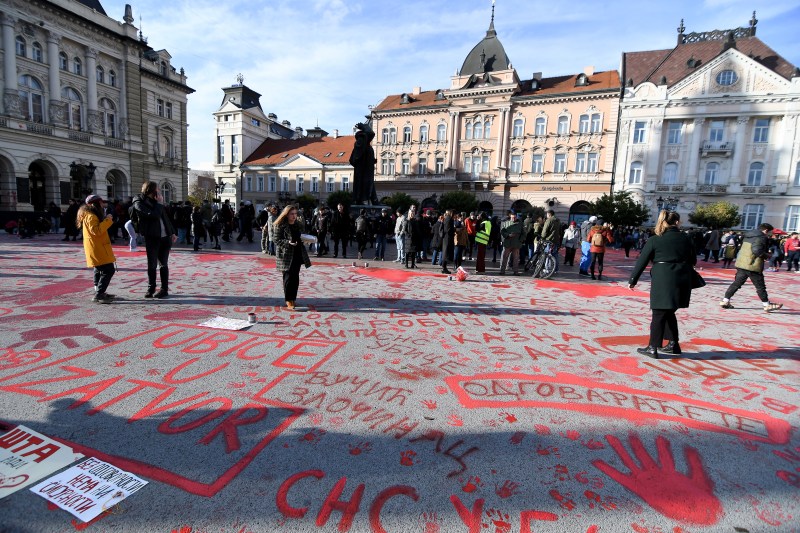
487, 56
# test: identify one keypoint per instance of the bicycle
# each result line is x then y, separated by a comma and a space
543, 263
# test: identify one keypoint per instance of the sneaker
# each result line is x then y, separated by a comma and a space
772, 307
161, 294
725, 305
102, 299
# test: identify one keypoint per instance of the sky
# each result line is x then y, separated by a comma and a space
324, 62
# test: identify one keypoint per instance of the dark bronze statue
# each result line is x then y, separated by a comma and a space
363, 161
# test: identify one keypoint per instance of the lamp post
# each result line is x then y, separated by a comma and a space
84, 173
219, 188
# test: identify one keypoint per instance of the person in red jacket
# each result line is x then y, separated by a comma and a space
791, 249
471, 222
599, 236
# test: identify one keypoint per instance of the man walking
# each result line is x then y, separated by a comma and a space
512, 233
340, 230
551, 231
750, 265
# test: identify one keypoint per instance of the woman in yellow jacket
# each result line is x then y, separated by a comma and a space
97, 245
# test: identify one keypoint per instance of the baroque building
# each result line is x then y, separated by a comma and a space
87, 105
543, 141
241, 127
714, 118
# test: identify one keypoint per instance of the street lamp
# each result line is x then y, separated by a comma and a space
218, 190
84, 173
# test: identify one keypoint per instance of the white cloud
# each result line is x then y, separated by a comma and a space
325, 61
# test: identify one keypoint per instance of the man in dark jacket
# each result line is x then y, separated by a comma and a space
383, 227
447, 232
340, 230
246, 216
321, 224
159, 234
750, 264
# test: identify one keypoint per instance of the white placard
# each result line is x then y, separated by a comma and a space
27, 456
89, 488
220, 322
306, 238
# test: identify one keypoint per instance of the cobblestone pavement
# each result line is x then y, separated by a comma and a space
396, 400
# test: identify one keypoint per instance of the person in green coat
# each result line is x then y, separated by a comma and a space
673, 255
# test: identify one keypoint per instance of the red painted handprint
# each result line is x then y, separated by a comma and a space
686, 498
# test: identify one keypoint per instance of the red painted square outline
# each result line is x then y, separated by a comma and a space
172, 478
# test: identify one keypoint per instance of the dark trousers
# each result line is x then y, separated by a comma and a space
480, 262
157, 257
569, 256
291, 279
380, 246
597, 258
664, 325
742, 276
792, 258
336, 240
458, 255
102, 277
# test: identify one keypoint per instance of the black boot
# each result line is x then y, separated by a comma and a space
649, 351
672, 348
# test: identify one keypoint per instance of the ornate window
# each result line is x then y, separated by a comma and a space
441, 133
560, 164
345, 183
541, 126
167, 192
716, 131
21, 46
792, 220
712, 172
583, 124
674, 132
518, 128
487, 129
752, 215
538, 164
220, 150
112, 78
162, 68
468, 130
440, 165
407, 135
755, 174
109, 117
516, 163
63, 61
563, 125
388, 165
423, 133
101, 74
597, 123
580, 163
727, 77
31, 95
761, 132
74, 107
670, 176
635, 175
639, 132
405, 166
300, 183
477, 129
77, 66
36, 53
422, 165
591, 162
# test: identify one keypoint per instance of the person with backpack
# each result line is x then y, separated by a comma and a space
362, 232
750, 265
599, 236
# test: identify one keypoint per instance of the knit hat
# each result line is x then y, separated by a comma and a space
93, 198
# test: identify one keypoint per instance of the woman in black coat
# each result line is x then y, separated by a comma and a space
159, 234
290, 252
673, 255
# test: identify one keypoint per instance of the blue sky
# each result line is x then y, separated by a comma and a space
325, 61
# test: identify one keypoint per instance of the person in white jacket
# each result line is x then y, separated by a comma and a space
570, 241
398, 236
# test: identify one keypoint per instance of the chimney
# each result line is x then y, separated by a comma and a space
589, 71
335, 134
537, 76
416, 91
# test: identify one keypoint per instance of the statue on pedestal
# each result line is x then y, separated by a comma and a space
363, 161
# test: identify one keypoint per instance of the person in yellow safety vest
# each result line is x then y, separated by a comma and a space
482, 240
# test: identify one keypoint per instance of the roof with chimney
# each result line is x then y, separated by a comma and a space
325, 150
669, 66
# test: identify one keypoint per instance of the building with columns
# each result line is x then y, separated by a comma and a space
87, 105
714, 118
542, 141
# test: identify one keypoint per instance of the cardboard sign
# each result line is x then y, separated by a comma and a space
27, 456
220, 322
89, 488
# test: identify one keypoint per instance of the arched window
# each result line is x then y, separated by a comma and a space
712, 169
423, 133
670, 176
563, 125
36, 53
63, 61
31, 95
109, 117
441, 133
468, 131
166, 147
540, 127
635, 176
167, 192
163, 68
518, 127
487, 129
407, 135
112, 78
74, 107
111, 186
477, 129
21, 46
583, 124
101, 74
755, 174
77, 66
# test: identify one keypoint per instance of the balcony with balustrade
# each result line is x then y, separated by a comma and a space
716, 149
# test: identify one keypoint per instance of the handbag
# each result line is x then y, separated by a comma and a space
697, 280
